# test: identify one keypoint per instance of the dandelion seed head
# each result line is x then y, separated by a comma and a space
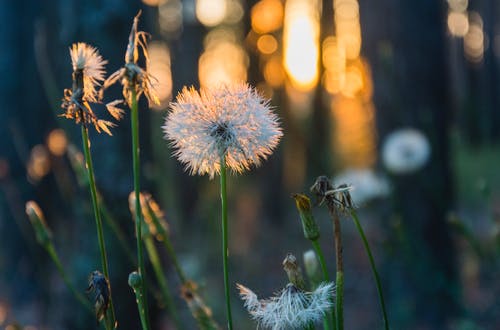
290, 308
230, 120
87, 59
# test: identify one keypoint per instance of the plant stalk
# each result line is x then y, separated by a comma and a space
134, 118
327, 321
97, 212
339, 303
354, 217
225, 252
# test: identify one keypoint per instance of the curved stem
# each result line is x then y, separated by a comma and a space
223, 196
168, 245
134, 118
161, 277
55, 258
339, 303
326, 277
97, 213
374, 268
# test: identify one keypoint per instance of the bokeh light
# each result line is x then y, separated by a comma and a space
267, 44
224, 59
57, 142
211, 12
458, 23
301, 43
267, 16
170, 16
474, 39
39, 163
159, 67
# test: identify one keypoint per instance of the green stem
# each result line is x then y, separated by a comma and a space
225, 252
55, 258
327, 322
115, 228
160, 276
97, 213
374, 269
134, 118
168, 245
339, 303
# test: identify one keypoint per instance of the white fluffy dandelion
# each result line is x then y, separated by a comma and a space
232, 121
290, 308
87, 59
405, 151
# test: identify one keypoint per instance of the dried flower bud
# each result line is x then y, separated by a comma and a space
201, 313
42, 231
154, 219
293, 271
303, 203
99, 285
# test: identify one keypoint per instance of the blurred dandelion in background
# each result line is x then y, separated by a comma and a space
405, 151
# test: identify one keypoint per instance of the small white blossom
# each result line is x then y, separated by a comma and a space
233, 120
291, 308
86, 58
405, 151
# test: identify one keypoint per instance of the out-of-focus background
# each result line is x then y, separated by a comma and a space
401, 99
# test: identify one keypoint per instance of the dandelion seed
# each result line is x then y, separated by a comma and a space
405, 151
290, 308
234, 121
131, 75
88, 72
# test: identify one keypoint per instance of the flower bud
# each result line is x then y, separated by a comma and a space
293, 271
303, 203
135, 280
42, 231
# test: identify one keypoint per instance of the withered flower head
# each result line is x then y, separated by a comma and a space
88, 73
335, 197
289, 308
131, 75
99, 285
200, 311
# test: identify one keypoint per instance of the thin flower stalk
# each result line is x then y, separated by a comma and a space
164, 237
225, 251
44, 238
97, 212
161, 278
138, 210
312, 233
354, 217
323, 188
201, 313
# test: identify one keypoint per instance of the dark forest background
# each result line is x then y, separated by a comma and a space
435, 232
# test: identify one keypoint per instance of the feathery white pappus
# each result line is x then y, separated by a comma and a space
290, 308
230, 120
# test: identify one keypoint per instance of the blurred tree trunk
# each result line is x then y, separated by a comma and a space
405, 42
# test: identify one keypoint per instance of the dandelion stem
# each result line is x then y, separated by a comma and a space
225, 252
327, 321
55, 258
339, 303
168, 245
354, 217
160, 276
97, 213
134, 118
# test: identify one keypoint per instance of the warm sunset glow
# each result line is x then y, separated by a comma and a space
347, 26
223, 61
267, 16
301, 39
474, 39
273, 72
354, 137
210, 12
159, 67
57, 142
267, 44
458, 5
170, 16
39, 163
458, 24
